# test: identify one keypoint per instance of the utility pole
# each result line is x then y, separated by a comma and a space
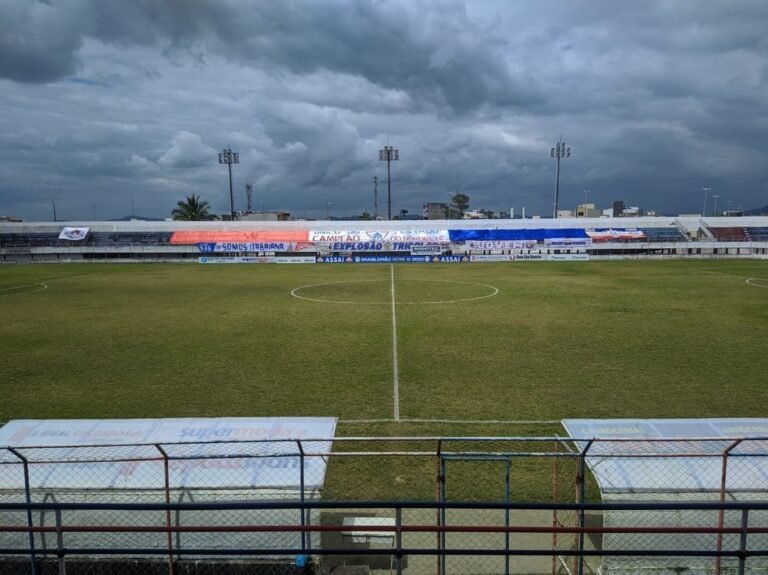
375, 197
227, 156
559, 151
389, 154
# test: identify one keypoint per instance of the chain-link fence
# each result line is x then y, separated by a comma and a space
453, 505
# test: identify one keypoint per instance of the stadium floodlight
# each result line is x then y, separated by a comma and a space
389, 154
704, 210
714, 209
559, 151
227, 156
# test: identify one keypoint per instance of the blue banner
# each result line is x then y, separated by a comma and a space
539, 234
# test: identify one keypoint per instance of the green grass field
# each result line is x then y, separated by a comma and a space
596, 339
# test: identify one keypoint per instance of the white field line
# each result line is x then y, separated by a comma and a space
395, 375
467, 421
751, 281
40, 287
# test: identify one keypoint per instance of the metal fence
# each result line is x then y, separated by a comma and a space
411, 505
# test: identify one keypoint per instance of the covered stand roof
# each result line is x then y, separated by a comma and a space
674, 455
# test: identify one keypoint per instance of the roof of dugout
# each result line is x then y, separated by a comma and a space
674, 455
204, 453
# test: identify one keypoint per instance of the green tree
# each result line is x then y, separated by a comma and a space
460, 202
191, 209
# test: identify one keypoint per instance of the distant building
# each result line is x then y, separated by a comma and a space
440, 211
263, 216
588, 211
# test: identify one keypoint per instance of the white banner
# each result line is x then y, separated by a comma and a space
380, 236
142, 466
218, 247
73, 234
500, 244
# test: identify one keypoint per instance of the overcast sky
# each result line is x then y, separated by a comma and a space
113, 107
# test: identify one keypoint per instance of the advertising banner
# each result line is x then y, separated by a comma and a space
535, 234
206, 237
492, 258
567, 242
380, 236
257, 260
568, 257
615, 234
421, 249
141, 466
500, 244
217, 247
237, 260
391, 259
73, 234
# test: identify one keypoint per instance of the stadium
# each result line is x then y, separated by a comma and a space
563, 396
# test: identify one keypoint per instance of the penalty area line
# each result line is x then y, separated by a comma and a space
466, 421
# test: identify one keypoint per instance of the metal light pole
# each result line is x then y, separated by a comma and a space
389, 154
586, 193
54, 209
704, 210
375, 197
714, 209
559, 151
227, 156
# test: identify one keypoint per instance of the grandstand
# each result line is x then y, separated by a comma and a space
370, 241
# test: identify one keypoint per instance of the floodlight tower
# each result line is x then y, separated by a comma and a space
375, 197
559, 151
704, 210
389, 154
248, 197
227, 156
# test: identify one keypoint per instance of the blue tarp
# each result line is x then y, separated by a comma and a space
537, 234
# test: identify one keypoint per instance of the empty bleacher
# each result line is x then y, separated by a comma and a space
671, 234
112, 239
732, 234
757, 234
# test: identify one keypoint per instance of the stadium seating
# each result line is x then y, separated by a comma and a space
732, 234
671, 234
29, 240
757, 234
130, 238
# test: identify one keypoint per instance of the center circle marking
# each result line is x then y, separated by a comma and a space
492, 291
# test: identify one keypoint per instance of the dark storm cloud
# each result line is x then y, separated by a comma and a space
105, 100
433, 51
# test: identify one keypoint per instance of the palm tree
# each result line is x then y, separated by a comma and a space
191, 210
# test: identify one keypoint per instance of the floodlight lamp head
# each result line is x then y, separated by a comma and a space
552, 153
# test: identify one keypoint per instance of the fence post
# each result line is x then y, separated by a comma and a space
302, 511
721, 514
168, 523
441, 511
60, 544
555, 478
28, 495
743, 541
508, 500
582, 496
399, 539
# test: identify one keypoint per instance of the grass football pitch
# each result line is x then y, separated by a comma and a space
519, 345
